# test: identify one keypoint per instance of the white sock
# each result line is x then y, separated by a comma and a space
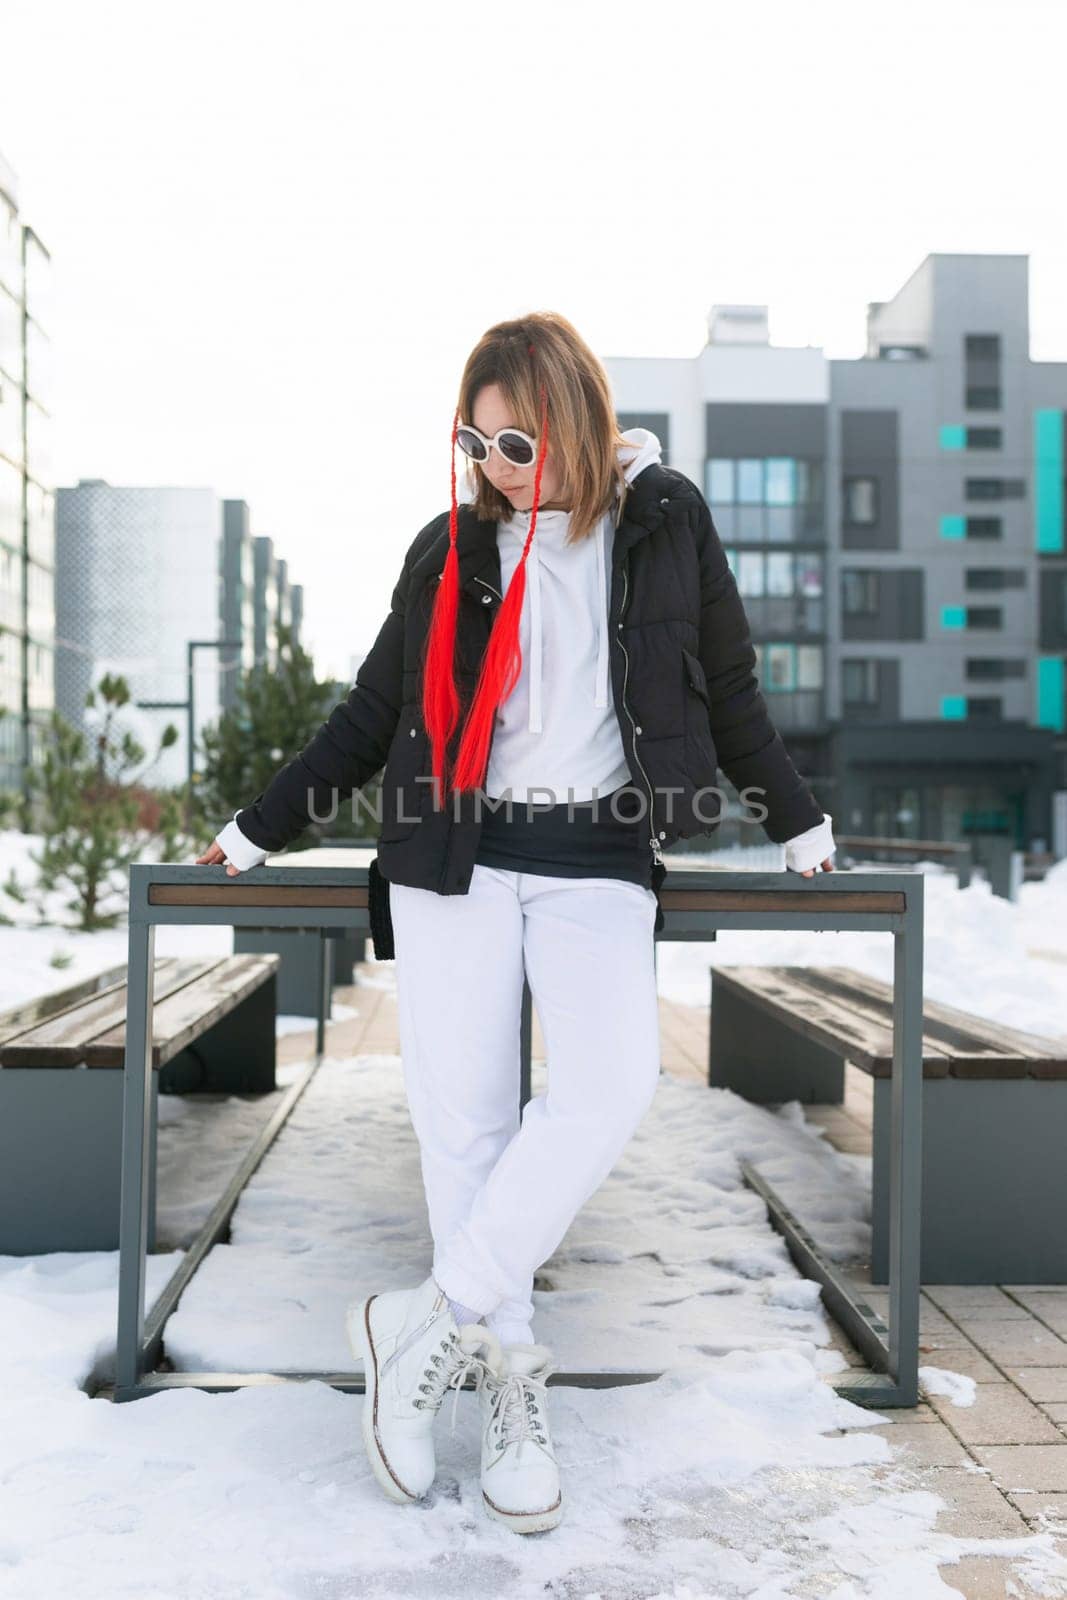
464, 1313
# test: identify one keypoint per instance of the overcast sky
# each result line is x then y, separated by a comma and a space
278, 230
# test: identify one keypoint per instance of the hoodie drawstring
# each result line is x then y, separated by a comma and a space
600, 687
533, 571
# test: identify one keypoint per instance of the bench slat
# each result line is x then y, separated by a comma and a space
977, 1047
185, 1015
834, 1024
849, 1011
965, 1051
62, 1040
30, 1013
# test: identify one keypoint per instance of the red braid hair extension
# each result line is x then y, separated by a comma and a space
502, 661
440, 701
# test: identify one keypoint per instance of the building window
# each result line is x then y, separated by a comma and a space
780, 579
719, 479
750, 483
777, 499
780, 667
981, 360
989, 707
781, 481
782, 589
984, 617
790, 668
995, 578
860, 502
994, 488
859, 591
809, 666
859, 682
982, 346
984, 528
957, 436
990, 669
750, 574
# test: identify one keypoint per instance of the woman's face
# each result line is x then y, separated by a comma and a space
491, 413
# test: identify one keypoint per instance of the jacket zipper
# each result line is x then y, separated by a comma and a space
657, 853
490, 586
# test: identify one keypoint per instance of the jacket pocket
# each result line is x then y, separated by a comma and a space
702, 760
695, 676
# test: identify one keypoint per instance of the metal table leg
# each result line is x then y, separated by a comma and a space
905, 1170
136, 1113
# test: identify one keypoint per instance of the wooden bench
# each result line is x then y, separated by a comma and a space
859, 847
994, 1111
213, 1031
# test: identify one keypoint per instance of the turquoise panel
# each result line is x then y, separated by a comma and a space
953, 436
1050, 692
953, 616
953, 527
954, 706
1048, 481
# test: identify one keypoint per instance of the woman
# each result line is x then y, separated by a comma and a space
573, 639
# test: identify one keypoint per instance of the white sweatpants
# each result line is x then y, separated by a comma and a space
501, 1196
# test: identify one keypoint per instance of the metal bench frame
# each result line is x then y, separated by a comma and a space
61, 1088
990, 1091
292, 892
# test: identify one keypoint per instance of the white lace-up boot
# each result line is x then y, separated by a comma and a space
520, 1478
412, 1351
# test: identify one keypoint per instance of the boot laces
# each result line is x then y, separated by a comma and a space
519, 1411
447, 1368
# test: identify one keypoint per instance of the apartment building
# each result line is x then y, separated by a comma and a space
896, 527
27, 509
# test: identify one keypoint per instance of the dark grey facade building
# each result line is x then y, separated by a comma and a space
896, 527
236, 599
255, 596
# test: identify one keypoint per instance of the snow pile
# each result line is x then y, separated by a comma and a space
955, 1386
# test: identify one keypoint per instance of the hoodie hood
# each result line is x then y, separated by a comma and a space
549, 552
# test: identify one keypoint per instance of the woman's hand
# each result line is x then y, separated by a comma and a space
214, 856
825, 866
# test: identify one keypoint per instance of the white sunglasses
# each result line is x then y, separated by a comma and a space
516, 447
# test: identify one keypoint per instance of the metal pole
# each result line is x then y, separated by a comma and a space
189, 648
323, 1002
136, 1112
905, 1160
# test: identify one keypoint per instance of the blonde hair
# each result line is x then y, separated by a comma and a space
583, 431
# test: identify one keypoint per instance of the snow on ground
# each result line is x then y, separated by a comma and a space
672, 1260
737, 1473
955, 1386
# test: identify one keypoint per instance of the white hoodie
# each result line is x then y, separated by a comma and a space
557, 736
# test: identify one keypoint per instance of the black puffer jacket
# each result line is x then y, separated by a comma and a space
683, 681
